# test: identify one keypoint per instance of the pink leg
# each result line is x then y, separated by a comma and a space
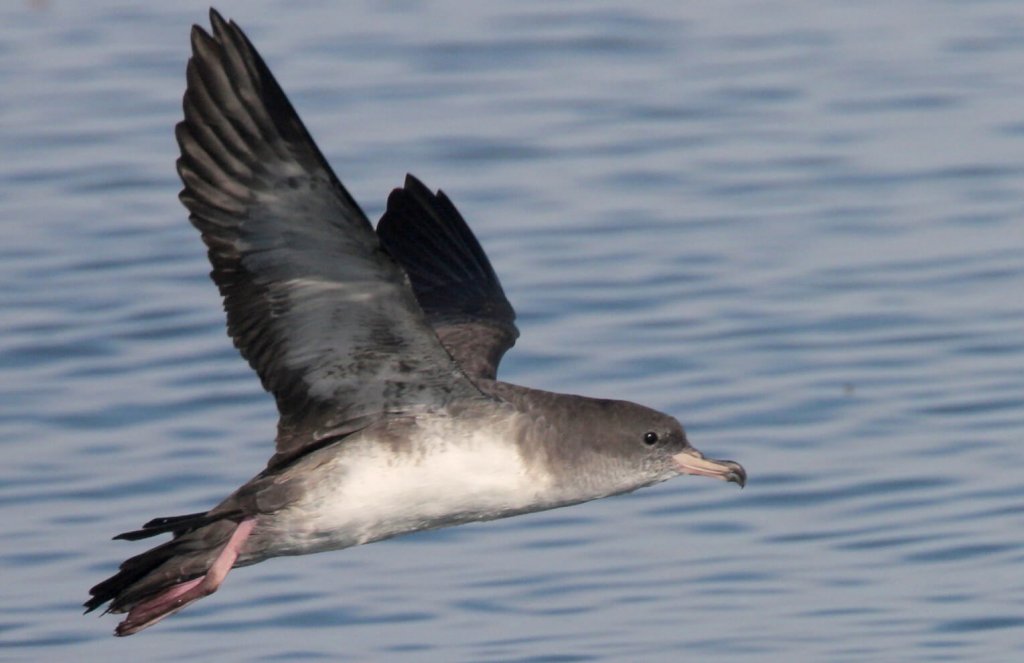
171, 600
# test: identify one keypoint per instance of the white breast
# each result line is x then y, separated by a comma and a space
371, 490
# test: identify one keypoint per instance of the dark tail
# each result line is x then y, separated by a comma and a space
197, 538
178, 525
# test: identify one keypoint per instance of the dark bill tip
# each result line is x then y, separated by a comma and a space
738, 475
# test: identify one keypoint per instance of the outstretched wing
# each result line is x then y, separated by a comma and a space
454, 282
322, 313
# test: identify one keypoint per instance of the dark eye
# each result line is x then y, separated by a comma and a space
650, 437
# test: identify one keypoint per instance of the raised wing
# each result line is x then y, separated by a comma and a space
454, 282
322, 313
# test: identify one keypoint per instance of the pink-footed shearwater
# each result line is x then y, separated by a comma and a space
381, 350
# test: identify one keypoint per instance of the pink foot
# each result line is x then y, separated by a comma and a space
171, 600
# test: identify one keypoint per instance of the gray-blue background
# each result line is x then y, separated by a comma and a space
798, 226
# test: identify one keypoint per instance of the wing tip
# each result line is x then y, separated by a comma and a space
216, 18
414, 183
412, 188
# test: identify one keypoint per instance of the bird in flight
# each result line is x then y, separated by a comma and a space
381, 348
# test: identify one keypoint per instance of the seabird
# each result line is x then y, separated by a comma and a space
381, 349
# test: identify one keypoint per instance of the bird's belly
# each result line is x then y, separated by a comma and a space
372, 491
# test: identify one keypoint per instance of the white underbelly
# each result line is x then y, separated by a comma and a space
370, 491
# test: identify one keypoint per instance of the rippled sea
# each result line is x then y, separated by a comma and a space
797, 226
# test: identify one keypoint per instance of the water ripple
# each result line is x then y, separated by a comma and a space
797, 231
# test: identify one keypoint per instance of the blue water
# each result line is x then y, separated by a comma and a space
798, 226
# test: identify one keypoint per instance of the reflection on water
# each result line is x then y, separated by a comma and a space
797, 230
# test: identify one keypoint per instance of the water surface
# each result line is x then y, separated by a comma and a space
797, 226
